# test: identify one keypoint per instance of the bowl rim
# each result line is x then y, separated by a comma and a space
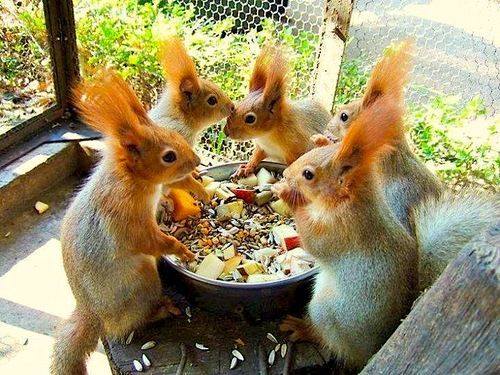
229, 284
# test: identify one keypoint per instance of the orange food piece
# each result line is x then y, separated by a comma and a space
184, 205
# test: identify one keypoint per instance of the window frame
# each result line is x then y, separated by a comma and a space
61, 38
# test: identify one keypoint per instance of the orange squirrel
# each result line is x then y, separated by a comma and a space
189, 103
406, 180
369, 264
109, 236
281, 128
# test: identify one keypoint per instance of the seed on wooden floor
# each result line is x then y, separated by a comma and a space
148, 345
272, 356
271, 337
284, 348
146, 361
277, 348
188, 312
129, 338
234, 362
238, 355
200, 346
138, 365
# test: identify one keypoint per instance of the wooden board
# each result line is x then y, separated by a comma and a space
454, 328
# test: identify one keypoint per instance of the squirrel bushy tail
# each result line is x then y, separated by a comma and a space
76, 339
445, 224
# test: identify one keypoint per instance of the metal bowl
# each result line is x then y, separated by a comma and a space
254, 301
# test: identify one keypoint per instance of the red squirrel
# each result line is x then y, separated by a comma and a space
109, 237
281, 128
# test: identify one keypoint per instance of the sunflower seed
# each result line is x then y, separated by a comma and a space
238, 355
146, 360
277, 348
234, 362
148, 345
284, 347
271, 357
271, 337
129, 338
138, 365
200, 346
188, 312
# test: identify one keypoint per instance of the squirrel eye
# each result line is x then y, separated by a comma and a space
250, 118
344, 116
212, 100
308, 175
169, 157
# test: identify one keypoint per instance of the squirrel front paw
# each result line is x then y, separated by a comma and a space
244, 170
183, 252
301, 330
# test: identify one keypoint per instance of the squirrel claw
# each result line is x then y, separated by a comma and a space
185, 254
244, 170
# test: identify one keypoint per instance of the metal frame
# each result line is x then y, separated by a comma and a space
60, 24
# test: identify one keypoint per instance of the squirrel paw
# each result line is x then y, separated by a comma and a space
183, 253
244, 170
165, 309
203, 196
300, 328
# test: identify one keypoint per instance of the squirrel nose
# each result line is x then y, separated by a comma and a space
231, 108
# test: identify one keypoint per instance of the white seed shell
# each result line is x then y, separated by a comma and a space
146, 360
271, 357
234, 362
271, 337
188, 312
284, 348
200, 346
138, 365
148, 345
129, 338
238, 355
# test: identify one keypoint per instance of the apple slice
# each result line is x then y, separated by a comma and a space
211, 267
206, 180
291, 242
249, 181
281, 207
281, 232
265, 177
230, 210
246, 194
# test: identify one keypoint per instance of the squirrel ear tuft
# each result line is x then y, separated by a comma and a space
275, 88
260, 70
108, 104
178, 66
372, 133
390, 73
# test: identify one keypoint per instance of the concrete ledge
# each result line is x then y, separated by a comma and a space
24, 180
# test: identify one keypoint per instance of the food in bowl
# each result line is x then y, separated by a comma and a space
244, 235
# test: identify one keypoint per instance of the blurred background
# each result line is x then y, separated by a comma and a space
453, 97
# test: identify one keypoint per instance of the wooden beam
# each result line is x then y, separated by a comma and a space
454, 327
336, 17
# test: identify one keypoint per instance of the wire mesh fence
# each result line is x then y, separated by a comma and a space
456, 45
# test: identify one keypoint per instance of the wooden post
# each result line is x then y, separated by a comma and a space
454, 328
336, 17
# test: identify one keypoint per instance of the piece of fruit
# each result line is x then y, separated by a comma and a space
184, 205
223, 193
211, 267
250, 268
228, 252
246, 194
281, 207
41, 207
231, 264
266, 252
211, 188
263, 197
249, 181
230, 210
265, 177
292, 242
206, 180
281, 232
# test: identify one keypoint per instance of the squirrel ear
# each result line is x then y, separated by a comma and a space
108, 104
275, 89
390, 73
178, 67
188, 89
260, 70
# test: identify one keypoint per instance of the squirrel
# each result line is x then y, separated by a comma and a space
109, 237
189, 104
281, 128
407, 181
369, 267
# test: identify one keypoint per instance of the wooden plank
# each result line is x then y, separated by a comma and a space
337, 14
454, 328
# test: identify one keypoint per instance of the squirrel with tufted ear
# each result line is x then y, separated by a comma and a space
370, 268
109, 236
406, 179
281, 128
